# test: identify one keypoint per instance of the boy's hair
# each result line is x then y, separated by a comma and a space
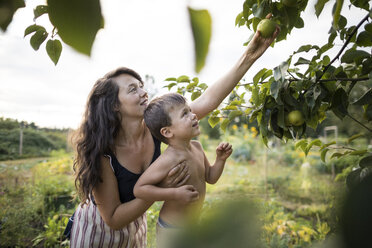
156, 114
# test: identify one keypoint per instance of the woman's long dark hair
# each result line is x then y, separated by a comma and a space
97, 132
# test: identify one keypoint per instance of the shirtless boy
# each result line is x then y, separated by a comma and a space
171, 120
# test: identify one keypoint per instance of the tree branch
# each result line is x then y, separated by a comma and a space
344, 46
342, 148
370, 130
337, 79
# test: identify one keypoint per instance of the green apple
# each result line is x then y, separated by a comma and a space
296, 118
266, 27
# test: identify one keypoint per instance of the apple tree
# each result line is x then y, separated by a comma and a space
298, 93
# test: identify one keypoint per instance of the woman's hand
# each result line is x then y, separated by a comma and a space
176, 177
258, 45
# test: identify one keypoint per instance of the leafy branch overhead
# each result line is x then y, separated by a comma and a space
75, 22
299, 93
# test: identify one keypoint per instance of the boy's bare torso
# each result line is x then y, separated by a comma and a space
175, 212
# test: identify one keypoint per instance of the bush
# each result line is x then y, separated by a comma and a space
34, 210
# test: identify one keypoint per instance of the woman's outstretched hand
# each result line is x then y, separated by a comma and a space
258, 45
177, 176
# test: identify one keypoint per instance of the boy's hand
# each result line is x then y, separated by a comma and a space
224, 151
186, 194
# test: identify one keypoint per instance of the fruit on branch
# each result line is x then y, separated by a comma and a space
295, 118
266, 27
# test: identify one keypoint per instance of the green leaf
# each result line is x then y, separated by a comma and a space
230, 107
306, 48
8, 8
238, 18
328, 144
352, 55
275, 88
361, 4
368, 27
364, 39
234, 113
281, 117
33, 28
171, 79
337, 13
332, 37
299, 23
356, 136
40, 10
203, 86
319, 6
257, 77
170, 86
302, 61
201, 25
365, 99
358, 152
38, 38
315, 142
302, 144
224, 124
280, 71
183, 78
213, 121
77, 22
367, 66
366, 161
191, 85
323, 154
340, 103
337, 155
195, 95
342, 22
54, 49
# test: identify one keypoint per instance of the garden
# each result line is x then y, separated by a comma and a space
297, 198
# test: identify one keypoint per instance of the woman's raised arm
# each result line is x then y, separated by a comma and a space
215, 93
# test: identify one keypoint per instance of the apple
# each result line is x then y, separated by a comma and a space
266, 27
296, 118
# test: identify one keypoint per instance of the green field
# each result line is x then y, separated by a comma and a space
295, 195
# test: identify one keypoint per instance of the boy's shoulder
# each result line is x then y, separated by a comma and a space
171, 154
197, 144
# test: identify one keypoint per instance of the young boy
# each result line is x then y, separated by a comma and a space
170, 119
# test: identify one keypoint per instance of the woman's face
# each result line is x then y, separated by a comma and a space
133, 98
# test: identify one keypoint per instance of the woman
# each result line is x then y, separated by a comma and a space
114, 147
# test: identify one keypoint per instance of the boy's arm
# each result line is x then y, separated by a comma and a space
213, 172
146, 188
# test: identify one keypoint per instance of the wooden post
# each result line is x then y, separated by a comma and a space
330, 128
21, 138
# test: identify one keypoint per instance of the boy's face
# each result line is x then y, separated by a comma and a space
185, 124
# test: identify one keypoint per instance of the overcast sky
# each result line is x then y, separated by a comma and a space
152, 37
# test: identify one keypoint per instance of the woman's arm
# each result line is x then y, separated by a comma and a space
106, 195
214, 94
146, 186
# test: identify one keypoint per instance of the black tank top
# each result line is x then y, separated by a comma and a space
127, 179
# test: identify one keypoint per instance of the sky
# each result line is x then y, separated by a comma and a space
152, 37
